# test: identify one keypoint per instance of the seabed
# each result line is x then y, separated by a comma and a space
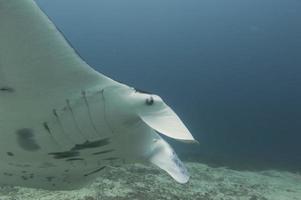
140, 182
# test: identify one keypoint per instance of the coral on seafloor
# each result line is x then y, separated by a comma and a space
141, 182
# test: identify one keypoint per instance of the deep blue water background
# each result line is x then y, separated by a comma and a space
231, 69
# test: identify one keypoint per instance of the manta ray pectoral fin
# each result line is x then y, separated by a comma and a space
165, 121
164, 157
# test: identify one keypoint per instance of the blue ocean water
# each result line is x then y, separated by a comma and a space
231, 69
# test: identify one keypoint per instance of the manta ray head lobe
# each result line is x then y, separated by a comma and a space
26, 140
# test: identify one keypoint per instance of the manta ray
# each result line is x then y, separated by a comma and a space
61, 122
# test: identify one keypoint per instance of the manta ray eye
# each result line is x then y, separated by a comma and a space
149, 101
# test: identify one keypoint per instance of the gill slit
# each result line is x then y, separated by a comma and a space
89, 113
74, 119
105, 112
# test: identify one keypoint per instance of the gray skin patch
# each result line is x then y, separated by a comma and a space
47, 165
26, 139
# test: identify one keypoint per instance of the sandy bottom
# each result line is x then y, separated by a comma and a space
148, 183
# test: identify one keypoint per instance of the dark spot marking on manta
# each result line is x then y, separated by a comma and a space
26, 139
50, 178
45, 125
26, 177
10, 154
7, 174
74, 159
89, 145
103, 152
64, 154
7, 89
95, 171
74, 150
